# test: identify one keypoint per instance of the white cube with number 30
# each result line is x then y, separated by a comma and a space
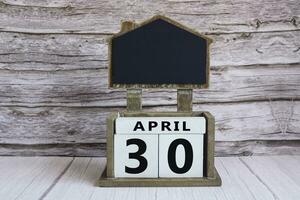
136, 156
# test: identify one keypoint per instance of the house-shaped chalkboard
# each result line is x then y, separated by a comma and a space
159, 53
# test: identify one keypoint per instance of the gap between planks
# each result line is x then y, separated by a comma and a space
259, 178
57, 179
240, 180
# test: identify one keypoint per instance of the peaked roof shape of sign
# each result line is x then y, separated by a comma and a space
159, 53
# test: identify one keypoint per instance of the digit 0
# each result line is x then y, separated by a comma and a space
138, 156
188, 156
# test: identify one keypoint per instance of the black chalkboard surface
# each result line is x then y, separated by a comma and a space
158, 54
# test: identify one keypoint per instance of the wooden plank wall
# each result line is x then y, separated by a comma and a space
54, 96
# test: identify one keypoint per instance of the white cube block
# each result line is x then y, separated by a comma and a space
160, 125
181, 155
136, 156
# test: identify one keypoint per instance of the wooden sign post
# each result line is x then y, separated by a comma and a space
159, 148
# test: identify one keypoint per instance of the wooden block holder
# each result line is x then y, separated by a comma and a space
184, 108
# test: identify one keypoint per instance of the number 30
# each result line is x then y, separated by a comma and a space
143, 163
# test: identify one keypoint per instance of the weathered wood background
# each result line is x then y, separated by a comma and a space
54, 96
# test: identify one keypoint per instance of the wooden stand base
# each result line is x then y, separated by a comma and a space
158, 182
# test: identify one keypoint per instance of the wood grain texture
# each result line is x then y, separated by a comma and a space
250, 178
241, 180
61, 149
54, 52
53, 73
79, 180
223, 148
237, 121
274, 120
271, 174
78, 16
28, 178
89, 87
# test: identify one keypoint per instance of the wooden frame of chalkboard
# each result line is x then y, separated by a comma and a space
131, 26
210, 178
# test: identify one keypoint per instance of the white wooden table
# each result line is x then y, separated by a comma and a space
276, 177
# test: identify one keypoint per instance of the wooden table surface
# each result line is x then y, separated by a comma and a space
273, 177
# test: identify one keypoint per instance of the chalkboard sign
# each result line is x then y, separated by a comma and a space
159, 148
159, 53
